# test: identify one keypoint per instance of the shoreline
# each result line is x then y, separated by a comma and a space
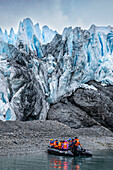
32, 137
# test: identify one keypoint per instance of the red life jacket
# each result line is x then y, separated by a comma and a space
77, 142
59, 145
65, 145
51, 143
55, 144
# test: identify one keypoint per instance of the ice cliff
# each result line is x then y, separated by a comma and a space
25, 33
40, 67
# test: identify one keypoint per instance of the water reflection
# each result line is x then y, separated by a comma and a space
42, 161
65, 163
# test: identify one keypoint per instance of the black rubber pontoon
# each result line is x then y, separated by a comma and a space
69, 152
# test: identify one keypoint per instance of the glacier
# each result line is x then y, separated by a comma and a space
40, 67
25, 33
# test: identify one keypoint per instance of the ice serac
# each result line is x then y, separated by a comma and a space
6, 36
1, 34
24, 39
47, 34
12, 37
30, 37
38, 32
25, 35
102, 29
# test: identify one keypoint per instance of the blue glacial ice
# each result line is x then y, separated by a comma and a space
60, 64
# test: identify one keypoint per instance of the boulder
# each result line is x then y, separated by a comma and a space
85, 107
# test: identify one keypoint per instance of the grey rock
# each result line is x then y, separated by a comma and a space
85, 108
70, 115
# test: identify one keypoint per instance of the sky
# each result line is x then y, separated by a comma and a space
57, 14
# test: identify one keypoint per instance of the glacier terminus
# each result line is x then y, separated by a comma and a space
39, 67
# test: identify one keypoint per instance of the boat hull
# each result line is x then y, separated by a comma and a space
60, 152
68, 152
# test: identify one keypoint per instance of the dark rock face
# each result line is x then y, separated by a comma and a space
86, 107
71, 115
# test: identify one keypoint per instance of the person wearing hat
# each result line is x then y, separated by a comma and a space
77, 144
69, 141
51, 143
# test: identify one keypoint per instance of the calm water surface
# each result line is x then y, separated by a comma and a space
101, 160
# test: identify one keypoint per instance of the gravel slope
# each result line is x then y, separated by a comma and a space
33, 136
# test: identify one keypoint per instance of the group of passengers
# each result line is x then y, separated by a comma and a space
64, 144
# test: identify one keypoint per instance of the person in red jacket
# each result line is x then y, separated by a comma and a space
65, 145
77, 142
60, 145
51, 143
56, 144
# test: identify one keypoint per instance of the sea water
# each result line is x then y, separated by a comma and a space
101, 160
